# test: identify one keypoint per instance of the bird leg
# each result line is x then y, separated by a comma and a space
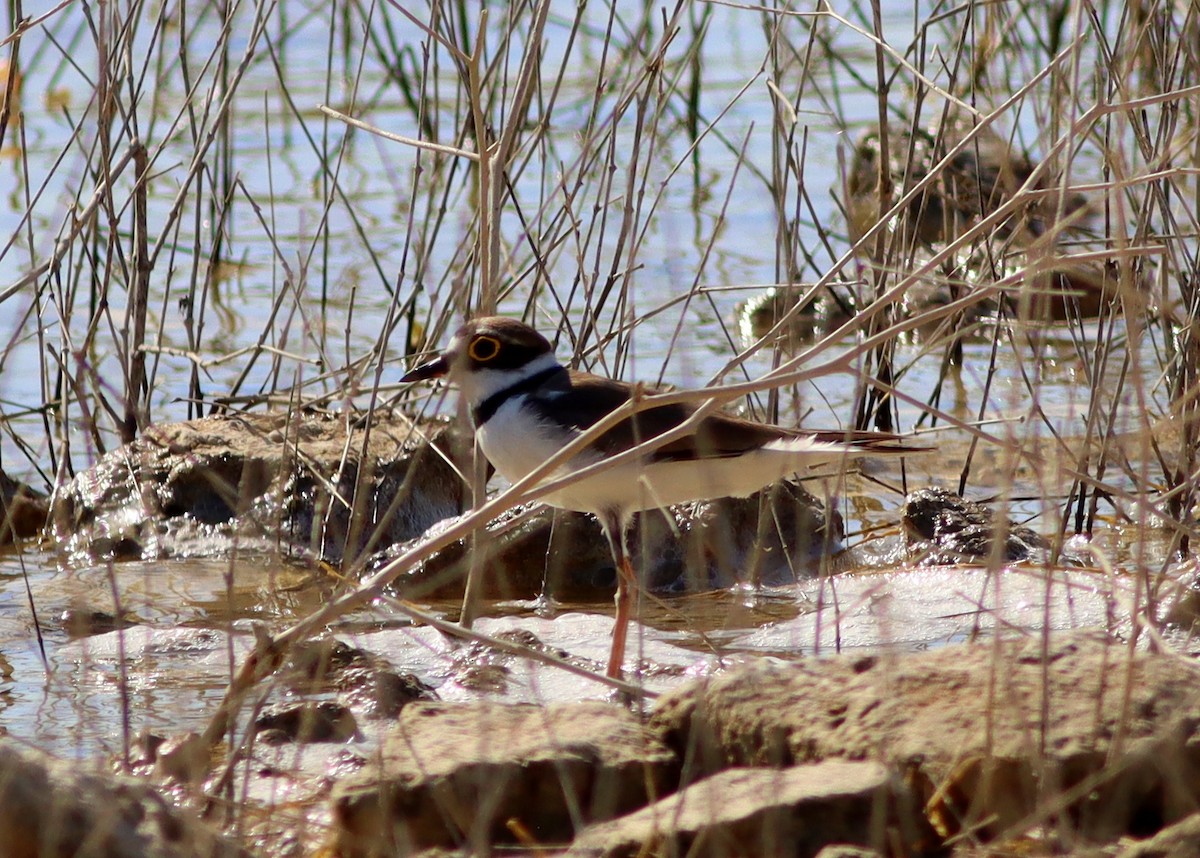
615, 529
626, 587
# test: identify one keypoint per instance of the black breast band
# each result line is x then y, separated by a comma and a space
488, 408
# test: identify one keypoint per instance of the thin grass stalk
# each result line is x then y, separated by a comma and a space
12, 79
137, 395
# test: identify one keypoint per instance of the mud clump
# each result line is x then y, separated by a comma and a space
305, 485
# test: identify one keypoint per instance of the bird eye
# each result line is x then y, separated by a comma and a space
483, 348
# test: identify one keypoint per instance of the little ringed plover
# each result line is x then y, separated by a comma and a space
527, 406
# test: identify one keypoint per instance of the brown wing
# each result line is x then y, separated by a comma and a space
723, 435
587, 399
720, 435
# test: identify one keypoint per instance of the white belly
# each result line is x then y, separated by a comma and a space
516, 445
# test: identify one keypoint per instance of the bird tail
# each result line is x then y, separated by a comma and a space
859, 442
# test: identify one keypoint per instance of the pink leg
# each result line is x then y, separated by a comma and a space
626, 587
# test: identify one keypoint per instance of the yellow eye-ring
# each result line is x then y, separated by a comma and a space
483, 348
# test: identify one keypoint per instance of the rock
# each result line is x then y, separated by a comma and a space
526, 550
82, 623
313, 666
943, 529
324, 721
757, 811
364, 680
50, 808
474, 774
771, 537
23, 510
262, 480
383, 693
1086, 735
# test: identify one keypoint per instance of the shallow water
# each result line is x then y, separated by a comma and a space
189, 629
333, 267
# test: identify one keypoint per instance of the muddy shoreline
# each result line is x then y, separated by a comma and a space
380, 735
